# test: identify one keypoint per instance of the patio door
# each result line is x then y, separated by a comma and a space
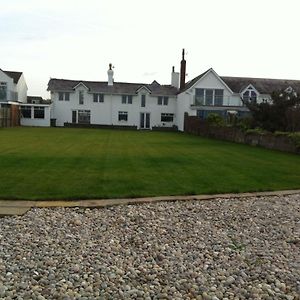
145, 121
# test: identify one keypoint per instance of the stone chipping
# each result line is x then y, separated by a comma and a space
216, 249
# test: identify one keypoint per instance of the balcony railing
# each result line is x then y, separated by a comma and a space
8, 96
217, 101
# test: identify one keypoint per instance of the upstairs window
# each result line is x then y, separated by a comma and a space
250, 95
143, 101
126, 99
98, 98
63, 96
209, 97
81, 97
219, 96
162, 100
199, 97
3, 91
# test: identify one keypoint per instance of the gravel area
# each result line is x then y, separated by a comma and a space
220, 249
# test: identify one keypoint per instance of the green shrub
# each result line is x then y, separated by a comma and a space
256, 130
295, 137
244, 123
215, 119
281, 133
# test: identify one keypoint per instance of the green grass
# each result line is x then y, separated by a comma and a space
61, 163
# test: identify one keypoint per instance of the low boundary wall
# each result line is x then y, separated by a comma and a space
199, 127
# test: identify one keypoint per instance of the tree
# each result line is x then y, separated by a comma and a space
277, 115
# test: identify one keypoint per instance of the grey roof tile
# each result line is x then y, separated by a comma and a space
14, 75
262, 85
55, 84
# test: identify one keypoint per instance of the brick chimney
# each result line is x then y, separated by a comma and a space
110, 74
182, 71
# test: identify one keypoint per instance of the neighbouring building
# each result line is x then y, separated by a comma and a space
16, 108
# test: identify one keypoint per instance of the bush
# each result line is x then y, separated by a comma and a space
215, 119
295, 137
244, 123
257, 130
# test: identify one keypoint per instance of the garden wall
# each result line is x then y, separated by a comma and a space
199, 127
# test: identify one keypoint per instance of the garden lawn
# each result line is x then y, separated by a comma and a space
65, 163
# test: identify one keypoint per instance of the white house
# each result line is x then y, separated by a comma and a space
13, 87
32, 111
148, 106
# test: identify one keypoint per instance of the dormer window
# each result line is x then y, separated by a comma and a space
290, 90
250, 94
3, 91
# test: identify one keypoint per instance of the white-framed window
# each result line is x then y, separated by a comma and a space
250, 95
162, 100
84, 116
64, 96
123, 116
81, 97
98, 98
3, 91
26, 112
209, 97
166, 117
39, 112
126, 99
143, 101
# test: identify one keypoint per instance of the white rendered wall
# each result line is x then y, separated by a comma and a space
22, 89
107, 113
37, 122
11, 86
185, 100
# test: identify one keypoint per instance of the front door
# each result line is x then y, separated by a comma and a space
145, 121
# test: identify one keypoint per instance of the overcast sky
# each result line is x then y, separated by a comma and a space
143, 39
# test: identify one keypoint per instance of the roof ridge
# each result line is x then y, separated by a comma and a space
259, 78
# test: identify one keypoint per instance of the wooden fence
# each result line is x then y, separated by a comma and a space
9, 116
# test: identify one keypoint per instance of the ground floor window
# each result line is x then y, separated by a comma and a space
203, 114
26, 112
84, 116
167, 117
39, 112
123, 115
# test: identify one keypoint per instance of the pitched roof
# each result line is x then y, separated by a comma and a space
55, 84
193, 81
14, 75
37, 100
262, 85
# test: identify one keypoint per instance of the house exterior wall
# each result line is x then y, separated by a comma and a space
21, 89
11, 86
186, 99
15, 92
107, 112
45, 122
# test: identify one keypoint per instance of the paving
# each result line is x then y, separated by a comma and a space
20, 207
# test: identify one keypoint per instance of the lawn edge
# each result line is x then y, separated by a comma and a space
94, 203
